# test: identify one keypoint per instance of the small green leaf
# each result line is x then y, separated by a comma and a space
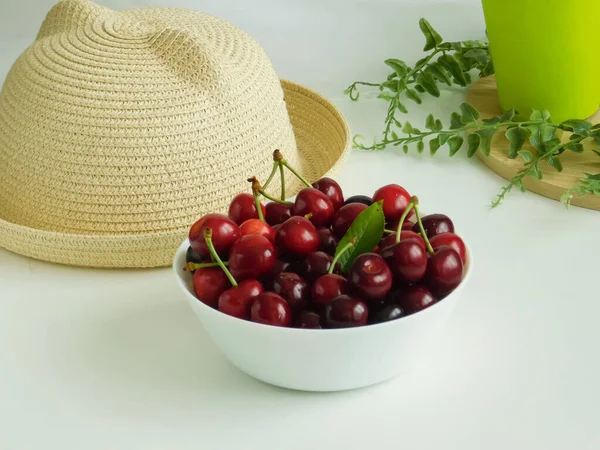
596, 152
444, 138
385, 96
434, 145
453, 66
402, 107
432, 38
517, 137
555, 163
455, 143
526, 155
445, 46
543, 115
575, 147
428, 82
488, 69
366, 231
430, 122
405, 148
420, 63
474, 43
456, 121
407, 128
486, 140
439, 73
394, 135
420, 146
469, 113
491, 121
420, 89
414, 96
536, 172
398, 65
508, 115
473, 140
478, 54
391, 85
438, 125
581, 127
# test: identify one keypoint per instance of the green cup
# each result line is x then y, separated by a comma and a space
546, 55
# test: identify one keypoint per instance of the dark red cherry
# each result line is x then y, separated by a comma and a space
343, 218
271, 309
329, 241
413, 298
297, 236
209, 283
315, 265
257, 226
331, 189
451, 240
192, 257
435, 224
243, 208
308, 319
285, 265
294, 289
277, 213
251, 256
395, 200
407, 260
405, 235
224, 233
387, 313
236, 301
370, 277
444, 271
345, 311
314, 205
365, 200
328, 287
406, 225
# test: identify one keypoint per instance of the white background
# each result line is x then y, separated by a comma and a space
93, 359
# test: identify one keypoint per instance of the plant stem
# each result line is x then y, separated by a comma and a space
415, 201
408, 209
282, 175
259, 211
385, 230
215, 255
273, 199
191, 266
339, 254
300, 177
273, 172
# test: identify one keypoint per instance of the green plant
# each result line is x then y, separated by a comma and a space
452, 63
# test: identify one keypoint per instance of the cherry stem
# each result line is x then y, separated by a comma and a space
191, 266
273, 199
215, 255
291, 169
282, 174
415, 201
385, 230
408, 209
273, 172
258, 189
256, 196
339, 253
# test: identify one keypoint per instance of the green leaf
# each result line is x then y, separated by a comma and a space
420, 146
469, 113
455, 143
474, 43
508, 115
491, 121
485, 137
575, 147
582, 127
488, 69
420, 63
453, 66
478, 54
391, 85
439, 73
366, 231
438, 125
517, 137
536, 172
543, 115
434, 145
398, 65
445, 46
394, 135
596, 152
402, 107
555, 162
407, 128
430, 122
473, 140
420, 88
526, 155
414, 96
385, 96
456, 121
432, 38
428, 82
443, 137
405, 148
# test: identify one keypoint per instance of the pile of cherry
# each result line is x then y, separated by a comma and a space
281, 271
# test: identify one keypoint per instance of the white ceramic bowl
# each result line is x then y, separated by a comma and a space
321, 360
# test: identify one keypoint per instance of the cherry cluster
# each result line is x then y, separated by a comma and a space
277, 264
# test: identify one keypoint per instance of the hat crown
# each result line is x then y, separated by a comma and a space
126, 122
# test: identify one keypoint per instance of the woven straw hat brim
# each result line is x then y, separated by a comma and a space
323, 142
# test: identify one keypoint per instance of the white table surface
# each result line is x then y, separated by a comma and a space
94, 359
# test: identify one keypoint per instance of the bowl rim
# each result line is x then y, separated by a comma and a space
329, 331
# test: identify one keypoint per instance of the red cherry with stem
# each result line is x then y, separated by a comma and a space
413, 298
276, 213
271, 309
236, 301
444, 271
346, 311
364, 199
329, 241
405, 235
294, 289
328, 287
314, 205
345, 216
257, 226
316, 264
407, 260
331, 189
251, 256
209, 283
297, 236
243, 208
451, 240
224, 233
435, 224
395, 201
308, 319
370, 277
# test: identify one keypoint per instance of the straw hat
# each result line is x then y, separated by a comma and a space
118, 130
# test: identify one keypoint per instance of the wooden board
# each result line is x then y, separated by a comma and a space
483, 95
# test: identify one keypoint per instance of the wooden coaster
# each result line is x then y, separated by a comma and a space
483, 95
